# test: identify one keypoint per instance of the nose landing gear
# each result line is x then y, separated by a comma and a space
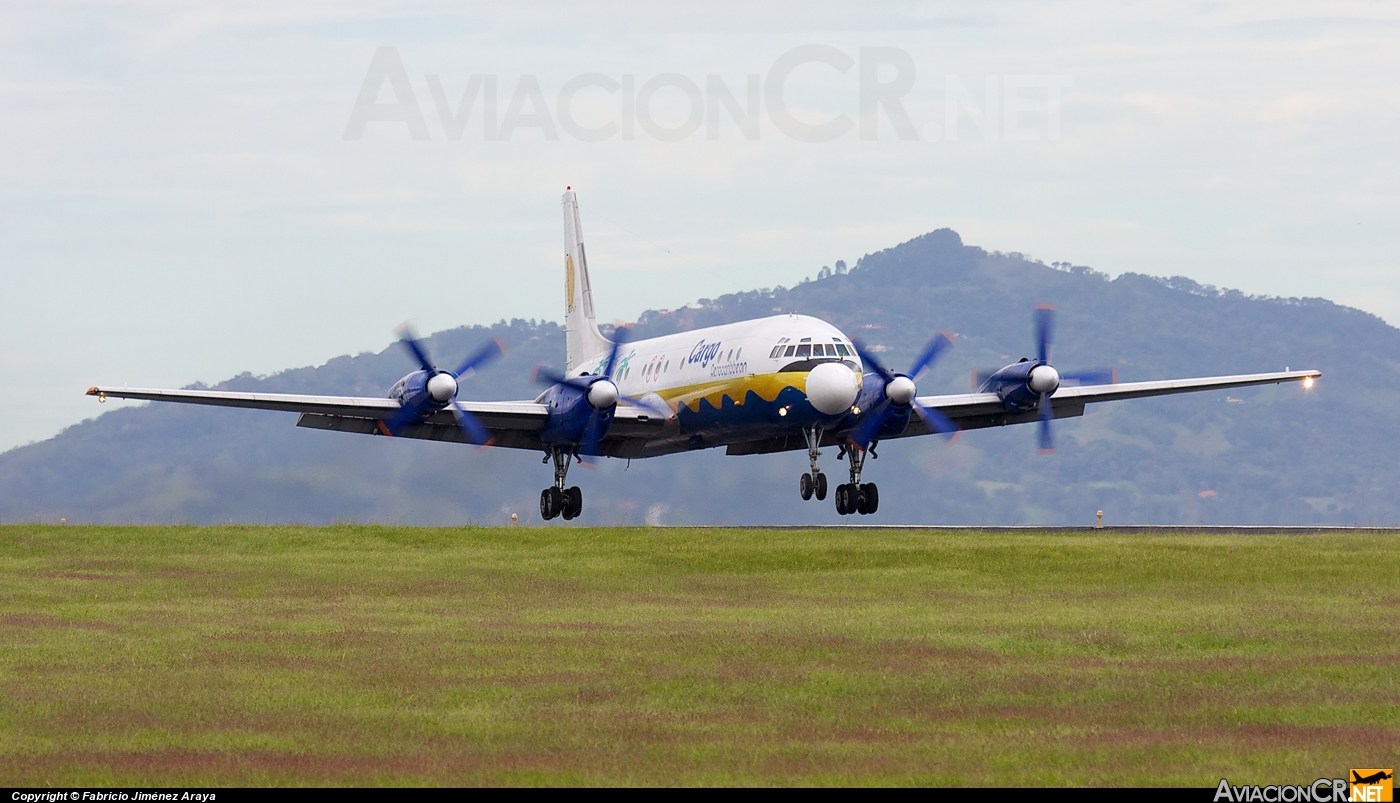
814, 482
558, 500
855, 496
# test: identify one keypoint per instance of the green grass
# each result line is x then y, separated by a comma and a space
366, 655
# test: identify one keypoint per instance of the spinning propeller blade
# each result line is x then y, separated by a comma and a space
1044, 324
1093, 376
406, 415
938, 422
880, 415
471, 427
593, 430
1045, 438
410, 340
1044, 334
930, 354
483, 355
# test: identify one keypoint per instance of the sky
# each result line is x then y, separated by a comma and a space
192, 190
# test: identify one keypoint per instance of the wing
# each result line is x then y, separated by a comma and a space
512, 424
979, 410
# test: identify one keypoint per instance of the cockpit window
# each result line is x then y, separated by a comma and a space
789, 351
804, 350
778, 349
842, 351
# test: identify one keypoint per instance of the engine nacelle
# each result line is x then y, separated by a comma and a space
1019, 385
571, 409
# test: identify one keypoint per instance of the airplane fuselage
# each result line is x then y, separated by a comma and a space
736, 381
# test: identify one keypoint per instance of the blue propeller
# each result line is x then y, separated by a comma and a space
1044, 334
600, 393
441, 387
899, 390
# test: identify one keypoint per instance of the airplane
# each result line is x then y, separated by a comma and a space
1374, 778
781, 383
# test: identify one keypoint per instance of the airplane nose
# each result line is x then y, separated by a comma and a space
832, 388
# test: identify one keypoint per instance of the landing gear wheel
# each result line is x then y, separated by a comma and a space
843, 500
821, 487
868, 499
573, 502
806, 487
551, 503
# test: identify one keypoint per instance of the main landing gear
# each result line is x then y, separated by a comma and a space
855, 497
558, 500
814, 482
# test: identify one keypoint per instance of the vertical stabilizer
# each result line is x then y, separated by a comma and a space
583, 339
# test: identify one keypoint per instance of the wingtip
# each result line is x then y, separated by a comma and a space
92, 391
500, 345
952, 339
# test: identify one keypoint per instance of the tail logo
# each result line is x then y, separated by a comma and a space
568, 283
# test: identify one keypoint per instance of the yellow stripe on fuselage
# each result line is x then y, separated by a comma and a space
765, 386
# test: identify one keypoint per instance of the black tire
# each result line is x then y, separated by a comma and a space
573, 502
551, 503
872, 498
805, 486
821, 487
843, 500
862, 501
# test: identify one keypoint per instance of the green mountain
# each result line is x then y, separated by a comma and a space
1276, 455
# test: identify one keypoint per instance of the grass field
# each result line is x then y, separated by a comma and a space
367, 655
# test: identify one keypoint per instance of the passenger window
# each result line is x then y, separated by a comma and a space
804, 350
788, 353
841, 350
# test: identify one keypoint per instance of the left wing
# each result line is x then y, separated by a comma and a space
979, 410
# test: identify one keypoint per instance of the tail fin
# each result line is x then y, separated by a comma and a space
582, 337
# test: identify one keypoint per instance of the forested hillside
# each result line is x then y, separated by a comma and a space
1278, 455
